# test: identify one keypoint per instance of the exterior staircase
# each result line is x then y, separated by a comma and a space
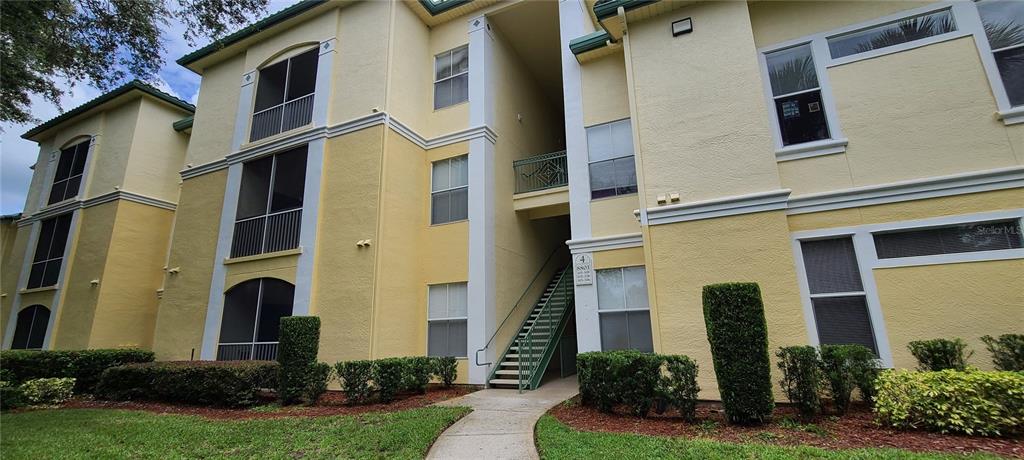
523, 363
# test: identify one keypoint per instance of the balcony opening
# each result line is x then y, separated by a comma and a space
250, 326
284, 95
269, 213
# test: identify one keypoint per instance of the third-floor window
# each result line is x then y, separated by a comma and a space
284, 95
451, 77
269, 213
70, 168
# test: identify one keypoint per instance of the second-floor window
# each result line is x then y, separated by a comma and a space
796, 94
892, 33
449, 190
284, 95
612, 168
451, 77
1003, 22
269, 213
70, 167
53, 238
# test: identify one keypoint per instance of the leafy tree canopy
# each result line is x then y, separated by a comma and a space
47, 45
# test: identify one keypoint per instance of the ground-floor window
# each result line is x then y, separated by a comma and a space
251, 323
30, 330
838, 299
623, 309
446, 320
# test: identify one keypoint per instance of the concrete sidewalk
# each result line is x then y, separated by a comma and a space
501, 424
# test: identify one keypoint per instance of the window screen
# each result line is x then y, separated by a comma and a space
253, 311
49, 256
268, 217
612, 166
831, 268
30, 330
446, 320
67, 180
843, 320
974, 237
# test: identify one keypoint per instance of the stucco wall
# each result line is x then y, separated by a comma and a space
775, 22
14, 241
603, 82
157, 152
89, 242
214, 123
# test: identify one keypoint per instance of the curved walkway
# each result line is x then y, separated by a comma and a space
501, 424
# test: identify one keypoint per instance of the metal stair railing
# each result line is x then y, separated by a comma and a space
532, 363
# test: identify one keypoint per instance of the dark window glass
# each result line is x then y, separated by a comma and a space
302, 75
276, 304
843, 320
30, 330
53, 239
1011, 69
446, 338
270, 90
984, 236
626, 330
67, 179
892, 33
252, 195
801, 118
240, 306
831, 266
253, 312
289, 180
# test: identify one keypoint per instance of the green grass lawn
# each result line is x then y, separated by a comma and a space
557, 441
105, 433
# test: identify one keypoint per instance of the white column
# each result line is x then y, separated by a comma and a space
324, 66
308, 231
215, 303
588, 323
26, 267
244, 112
481, 314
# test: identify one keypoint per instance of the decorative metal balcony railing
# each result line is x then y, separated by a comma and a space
282, 117
273, 232
541, 172
259, 351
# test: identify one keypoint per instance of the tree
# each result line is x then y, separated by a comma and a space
44, 43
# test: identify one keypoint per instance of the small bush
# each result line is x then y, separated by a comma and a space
317, 379
1007, 351
297, 351
207, 383
677, 384
389, 376
446, 369
85, 366
417, 374
847, 367
48, 391
738, 334
940, 354
10, 396
950, 401
354, 377
801, 378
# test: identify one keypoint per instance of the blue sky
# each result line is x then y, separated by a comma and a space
17, 154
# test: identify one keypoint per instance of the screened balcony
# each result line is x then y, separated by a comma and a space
250, 325
269, 214
284, 96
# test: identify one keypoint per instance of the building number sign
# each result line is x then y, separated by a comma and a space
583, 267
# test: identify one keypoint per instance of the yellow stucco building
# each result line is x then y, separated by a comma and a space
510, 182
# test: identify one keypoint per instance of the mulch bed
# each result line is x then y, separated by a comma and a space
331, 403
856, 429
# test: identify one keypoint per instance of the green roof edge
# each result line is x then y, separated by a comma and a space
252, 29
608, 8
437, 8
183, 124
589, 42
106, 97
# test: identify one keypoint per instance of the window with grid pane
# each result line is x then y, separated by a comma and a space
49, 256
449, 190
68, 178
451, 77
612, 168
446, 320
796, 93
1003, 21
952, 239
838, 300
623, 309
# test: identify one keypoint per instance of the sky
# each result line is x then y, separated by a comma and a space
17, 154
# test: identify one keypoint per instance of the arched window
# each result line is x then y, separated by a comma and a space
252, 316
31, 328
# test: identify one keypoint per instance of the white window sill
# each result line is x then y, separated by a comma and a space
1011, 116
38, 289
811, 149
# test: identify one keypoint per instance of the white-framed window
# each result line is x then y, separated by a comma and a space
1002, 22
446, 319
451, 77
449, 190
269, 213
999, 235
284, 95
797, 97
891, 33
30, 329
623, 309
67, 180
612, 166
49, 255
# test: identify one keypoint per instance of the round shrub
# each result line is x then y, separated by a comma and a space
677, 384
354, 377
47, 391
389, 376
847, 367
446, 369
1007, 351
801, 378
940, 354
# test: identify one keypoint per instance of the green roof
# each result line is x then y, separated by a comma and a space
107, 97
183, 124
588, 42
436, 7
607, 8
254, 28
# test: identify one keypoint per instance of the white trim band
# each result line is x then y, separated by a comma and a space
605, 243
721, 207
71, 205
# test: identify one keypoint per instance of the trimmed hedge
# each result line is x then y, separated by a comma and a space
354, 377
949, 401
208, 383
738, 334
1007, 351
634, 379
446, 369
389, 377
417, 374
801, 378
940, 354
85, 366
302, 378
847, 367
